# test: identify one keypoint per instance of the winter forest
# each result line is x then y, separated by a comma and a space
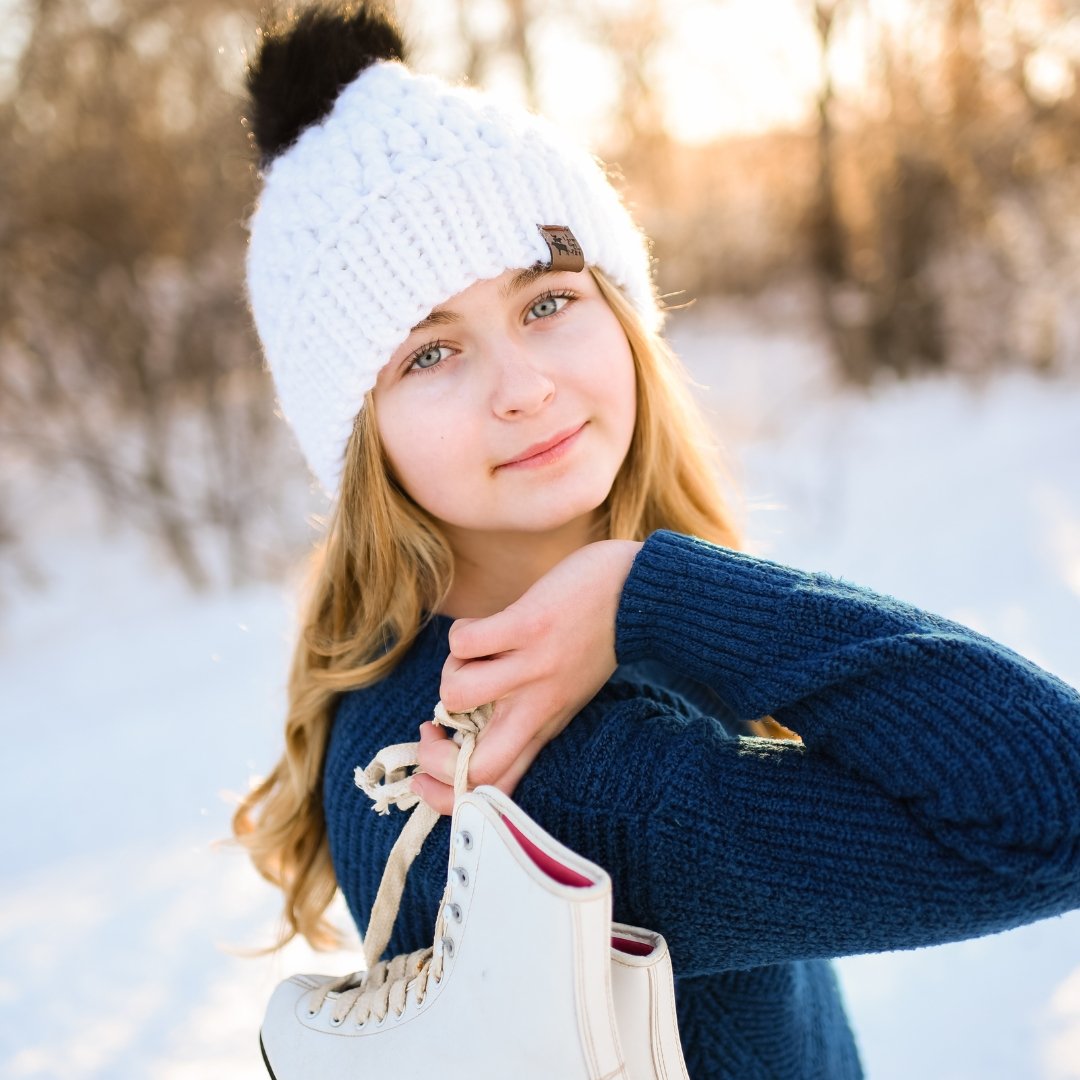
867, 223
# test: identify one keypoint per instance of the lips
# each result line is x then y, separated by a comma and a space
539, 448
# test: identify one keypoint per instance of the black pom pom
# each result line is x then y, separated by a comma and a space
305, 60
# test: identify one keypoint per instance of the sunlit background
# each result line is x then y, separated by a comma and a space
871, 209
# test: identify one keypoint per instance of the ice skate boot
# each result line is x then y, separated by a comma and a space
643, 986
518, 983
526, 972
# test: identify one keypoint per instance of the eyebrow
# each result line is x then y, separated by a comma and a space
521, 280
524, 278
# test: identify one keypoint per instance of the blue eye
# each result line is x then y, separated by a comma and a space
547, 306
428, 352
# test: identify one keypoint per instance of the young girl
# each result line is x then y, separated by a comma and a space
775, 766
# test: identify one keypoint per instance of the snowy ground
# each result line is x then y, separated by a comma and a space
131, 708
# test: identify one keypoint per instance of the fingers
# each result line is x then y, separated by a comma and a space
495, 755
438, 753
465, 642
439, 797
494, 634
468, 684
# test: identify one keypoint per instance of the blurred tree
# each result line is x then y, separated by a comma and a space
939, 196
926, 245
125, 350
932, 244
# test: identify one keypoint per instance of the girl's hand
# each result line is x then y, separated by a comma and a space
438, 758
541, 660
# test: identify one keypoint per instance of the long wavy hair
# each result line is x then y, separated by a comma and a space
384, 566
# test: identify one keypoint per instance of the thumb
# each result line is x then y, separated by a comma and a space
497, 748
509, 781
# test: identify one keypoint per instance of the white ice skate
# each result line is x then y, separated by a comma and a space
527, 975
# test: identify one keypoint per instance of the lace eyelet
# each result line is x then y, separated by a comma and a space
455, 912
464, 839
462, 876
313, 1012
448, 946
337, 1021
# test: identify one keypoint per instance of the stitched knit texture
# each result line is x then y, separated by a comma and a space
936, 795
407, 192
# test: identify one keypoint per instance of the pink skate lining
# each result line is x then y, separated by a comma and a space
635, 948
552, 867
564, 875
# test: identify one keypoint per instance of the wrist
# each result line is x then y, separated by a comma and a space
625, 552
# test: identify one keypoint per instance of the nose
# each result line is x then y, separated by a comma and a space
522, 384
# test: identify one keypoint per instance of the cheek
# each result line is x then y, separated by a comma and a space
426, 453
617, 379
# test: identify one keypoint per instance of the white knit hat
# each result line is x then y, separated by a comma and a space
407, 192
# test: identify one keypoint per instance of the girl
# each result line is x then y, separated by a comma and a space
775, 766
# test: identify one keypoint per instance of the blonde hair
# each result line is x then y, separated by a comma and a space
384, 564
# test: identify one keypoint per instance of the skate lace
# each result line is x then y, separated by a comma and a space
385, 984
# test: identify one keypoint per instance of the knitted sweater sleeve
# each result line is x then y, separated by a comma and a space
935, 795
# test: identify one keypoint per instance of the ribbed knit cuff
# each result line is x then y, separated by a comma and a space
698, 606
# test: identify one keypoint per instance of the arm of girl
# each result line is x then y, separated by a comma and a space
898, 696
935, 795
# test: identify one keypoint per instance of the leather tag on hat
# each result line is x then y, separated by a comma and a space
565, 250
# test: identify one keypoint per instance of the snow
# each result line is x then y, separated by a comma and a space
133, 708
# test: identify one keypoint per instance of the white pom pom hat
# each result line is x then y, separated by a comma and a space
406, 193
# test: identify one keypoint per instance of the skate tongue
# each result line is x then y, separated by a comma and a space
377, 990
346, 982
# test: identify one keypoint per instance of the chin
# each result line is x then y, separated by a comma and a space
552, 505
557, 517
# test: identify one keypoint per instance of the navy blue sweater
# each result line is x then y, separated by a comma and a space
935, 795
